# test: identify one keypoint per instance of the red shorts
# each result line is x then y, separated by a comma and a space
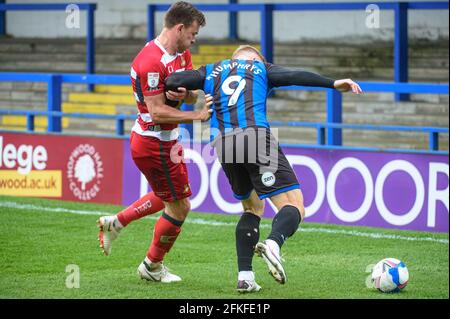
168, 178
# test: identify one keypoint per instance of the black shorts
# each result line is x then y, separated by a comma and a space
253, 160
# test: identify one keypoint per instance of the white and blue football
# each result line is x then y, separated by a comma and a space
390, 275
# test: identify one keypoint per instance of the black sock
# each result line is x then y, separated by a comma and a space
247, 236
285, 224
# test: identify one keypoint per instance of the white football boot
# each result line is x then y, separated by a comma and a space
270, 252
109, 229
244, 286
247, 283
156, 272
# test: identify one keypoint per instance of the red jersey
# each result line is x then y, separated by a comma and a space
149, 69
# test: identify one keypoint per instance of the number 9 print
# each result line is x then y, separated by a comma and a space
226, 88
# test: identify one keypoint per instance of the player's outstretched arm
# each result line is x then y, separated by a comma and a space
280, 76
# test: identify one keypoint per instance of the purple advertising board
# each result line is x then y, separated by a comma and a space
376, 189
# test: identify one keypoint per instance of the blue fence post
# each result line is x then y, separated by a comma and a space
188, 127
233, 22
2, 21
401, 47
90, 43
320, 135
266, 13
151, 22
334, 115
30, 122
120, 126
54, 86
434, 141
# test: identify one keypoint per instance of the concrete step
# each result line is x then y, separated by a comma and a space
101, 98
361, 62
280, 106
221, 49
114, 89
21, 121
66, 67
39, 86
23, 95
199, 60
31, 45
369, 119
436, 75
380, 73
109, 109
428, 61
23, 105
361, 138
7, 57
316, 49
304, 95
384, 49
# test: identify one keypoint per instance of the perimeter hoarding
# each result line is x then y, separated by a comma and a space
388, 190
61, 167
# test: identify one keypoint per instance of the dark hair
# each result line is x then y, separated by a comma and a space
185, 13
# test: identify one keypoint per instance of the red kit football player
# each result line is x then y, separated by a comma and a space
155, 135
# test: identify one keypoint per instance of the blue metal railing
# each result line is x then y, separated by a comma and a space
433, 132
266, 14
90, 23
334, 101
2, 20
31, 115
332, 129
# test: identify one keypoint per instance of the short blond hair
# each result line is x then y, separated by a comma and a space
248, 48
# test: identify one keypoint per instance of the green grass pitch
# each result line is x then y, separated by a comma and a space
40, 238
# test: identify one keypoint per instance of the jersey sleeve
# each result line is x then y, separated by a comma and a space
280, 76
152, 76
189, 79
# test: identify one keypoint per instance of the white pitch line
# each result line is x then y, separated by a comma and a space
200, 221
49, 209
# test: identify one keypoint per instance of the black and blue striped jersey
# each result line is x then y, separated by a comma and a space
240, 89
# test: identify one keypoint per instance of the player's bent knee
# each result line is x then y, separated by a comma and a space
185, 206
254, 207
178, 209
295, 198
301, 209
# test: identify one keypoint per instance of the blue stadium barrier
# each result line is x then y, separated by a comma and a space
2, 20
266, 13
90, 23
333, 126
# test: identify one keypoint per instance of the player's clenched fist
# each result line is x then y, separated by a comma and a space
346, 85
206, 111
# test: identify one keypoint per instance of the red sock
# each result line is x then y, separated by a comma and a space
165, 233
146, 205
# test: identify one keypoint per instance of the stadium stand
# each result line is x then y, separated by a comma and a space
428, 62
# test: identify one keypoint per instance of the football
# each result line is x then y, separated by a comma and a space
390, 275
